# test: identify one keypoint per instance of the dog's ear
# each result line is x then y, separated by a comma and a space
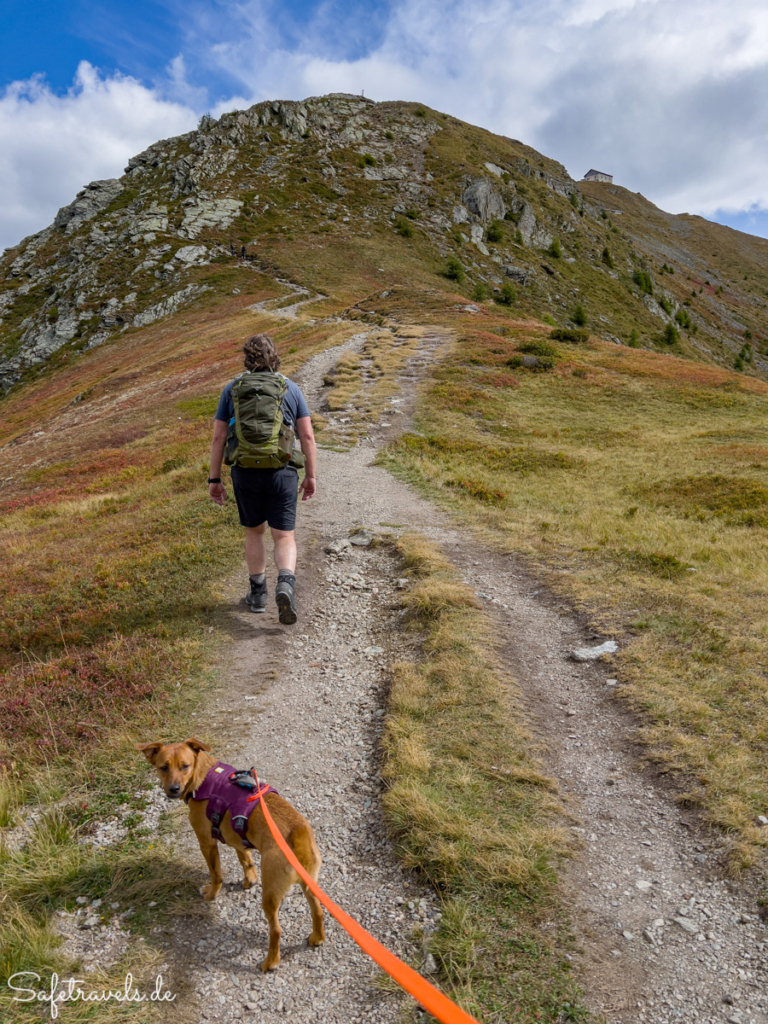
197, 745
149, 750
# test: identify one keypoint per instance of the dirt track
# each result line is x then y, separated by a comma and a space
305, 705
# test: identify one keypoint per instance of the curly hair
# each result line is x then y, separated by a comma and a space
261, 354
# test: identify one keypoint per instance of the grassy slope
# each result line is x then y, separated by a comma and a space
639, 484
114, 553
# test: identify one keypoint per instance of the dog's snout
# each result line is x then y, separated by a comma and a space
174, 790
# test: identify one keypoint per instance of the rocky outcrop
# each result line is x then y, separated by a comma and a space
533, 233
484, 201
88, 202
209, 213
192, 255
168, 306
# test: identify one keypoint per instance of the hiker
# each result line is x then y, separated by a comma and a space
242, 252
231, 249
258, 416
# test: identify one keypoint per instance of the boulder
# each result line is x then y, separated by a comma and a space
593, 653
192, 255
517, 274
337, 547
361, 539
482, 199
460, 215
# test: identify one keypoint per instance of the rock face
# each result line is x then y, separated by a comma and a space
484, 201
209, 213
167, 306
533, 234
192, 255
90, 201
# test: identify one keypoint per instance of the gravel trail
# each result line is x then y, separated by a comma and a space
664, 936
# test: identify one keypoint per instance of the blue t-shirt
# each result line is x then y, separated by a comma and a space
294, 404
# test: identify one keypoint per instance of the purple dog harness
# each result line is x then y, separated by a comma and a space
227, 789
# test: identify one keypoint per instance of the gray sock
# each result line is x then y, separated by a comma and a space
258, 579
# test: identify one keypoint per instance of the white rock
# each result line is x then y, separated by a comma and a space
686, 925
192, 254
593, 653
643, 884
209, 213
495, 169
337, 546
361, 539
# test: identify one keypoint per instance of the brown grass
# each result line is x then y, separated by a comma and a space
626, 482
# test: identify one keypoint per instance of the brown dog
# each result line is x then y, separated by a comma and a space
182, 769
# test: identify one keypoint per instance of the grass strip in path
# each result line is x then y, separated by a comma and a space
470, 808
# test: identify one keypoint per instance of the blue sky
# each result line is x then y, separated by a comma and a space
669, 95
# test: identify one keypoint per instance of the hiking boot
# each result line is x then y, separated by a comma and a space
285, 596
257, 599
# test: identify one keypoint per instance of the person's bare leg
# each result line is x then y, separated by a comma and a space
256, 557
256, 549
285, 550
285, 559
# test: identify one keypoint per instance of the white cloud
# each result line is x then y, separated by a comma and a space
50, 145
668, 95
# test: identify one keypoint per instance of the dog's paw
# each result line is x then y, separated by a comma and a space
209, 892
316, 940
269, 965
250, 880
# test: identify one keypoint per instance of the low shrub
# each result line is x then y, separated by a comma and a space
479, 294
536, 363
366, 160
643, 281
555, 249
669, 336
666, 305
494, 232
579, 316
569, 334
683, 318
634, 338
538, 347
607, 258
412, 214
454, 271
507, 295
404, 227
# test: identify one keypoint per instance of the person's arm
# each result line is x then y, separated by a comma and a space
216, 492
307, 441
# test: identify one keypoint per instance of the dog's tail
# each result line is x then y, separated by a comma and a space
302, 841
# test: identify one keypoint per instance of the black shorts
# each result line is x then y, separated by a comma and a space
266, 495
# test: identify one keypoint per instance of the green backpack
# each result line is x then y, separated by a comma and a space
258, 436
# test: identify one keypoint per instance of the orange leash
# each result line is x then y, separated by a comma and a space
431, 999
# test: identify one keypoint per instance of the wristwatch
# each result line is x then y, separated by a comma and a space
214, 479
